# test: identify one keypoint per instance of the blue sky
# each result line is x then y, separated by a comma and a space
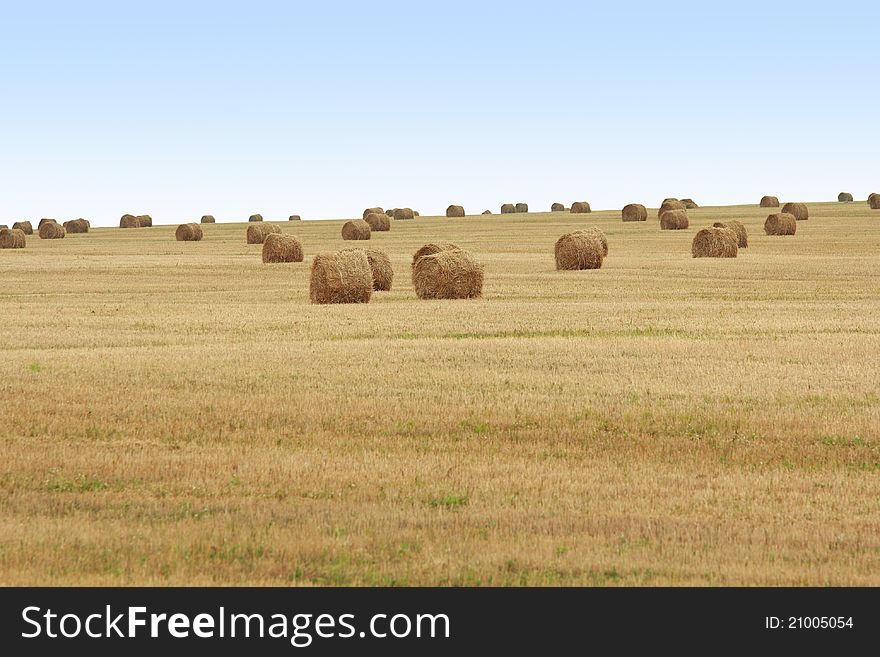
322, 109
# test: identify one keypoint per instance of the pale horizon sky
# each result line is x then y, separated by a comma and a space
182, 109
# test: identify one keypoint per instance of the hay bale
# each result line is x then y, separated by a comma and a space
356, 229
557, 207
372, 211
845, 197
24, 226
742, 236
51, 231
255, 217
455, 211
44, 220
257, 234
596, 233
401, 214
278, 247
521, 207
671, 199
12, 238
77, 226
129, 221
670, 204
508, 208
578, 250
580, 207
342, 277
874, 201
634, 212
145, 221
674, 220
416, 213
380, 266
769, 202
781, 223
689, 203
432, 248
188, 233
208, 219
378, 221
4, 227
487, 212
390, 213
295, 217
799, 210
714, 243
450, 274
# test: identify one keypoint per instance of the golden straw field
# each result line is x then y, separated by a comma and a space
178, 413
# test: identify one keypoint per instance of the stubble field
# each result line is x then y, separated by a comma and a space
178, 413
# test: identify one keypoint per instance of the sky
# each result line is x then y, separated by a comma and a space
179, 109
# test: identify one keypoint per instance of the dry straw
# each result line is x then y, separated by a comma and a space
487, 212
674, 220
294, 217
145, 221
634, 212
596, 233
455, 211
769, 202
51, 231
521, 207
378, 221
799, 210
742, 236
580, 207
670, 204
256, 234
77, 226
208, 219
780, 223
450, 274
255, 217
356, 229
689, 203
557, 207
129, 221
401, 214
12, 238
44, 220
188, 233
24, 226
372, 211
432, 248
343, 277
380, 266
578, 250
508, 208
845, 197
874, 201
714, 243
278, 247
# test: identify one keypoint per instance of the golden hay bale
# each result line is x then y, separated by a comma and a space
781, 223
343, 277
874, 201
742, 236
372, 211
580, 207
432, 248
12, 239
769, 202
278, 247
596, 233
129, 221
671, 199
188, 233
578, 250
294, 217
51, 231
521, 207
380, 266
451, 274
356, 229
256, 234
255, 217
24, 226
508, 208
557, 207
145, 221
390, 213
670, 204
799, 210
455, 211
208, 219
77, 226
689, 203
674, 220
403, 213
634, 212
4, 227
845, 197
45, 221
378, 221
714, 243
487, 212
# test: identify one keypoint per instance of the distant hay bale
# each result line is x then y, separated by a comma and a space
557, 207
12, 238
129, 221
51, 231
372, 211
416, 213
44, 220
845, 197
356, 229
781, 223
77, 226
432, 248
769, 202
521, 207
401, 214
380, 266
4, 227
208, 219
742, 236
674, 220
874, 201
689, 203
715, 243
256, 234
390, 212
278, 247
455, 211
670, 204
24, 226
580, 207
671, 199
145, 221
342, 277
255, 217
634, 212
578, 250
378, 221
295, 217
450, 274
799, 210
508, 208
487, 212
188, 233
